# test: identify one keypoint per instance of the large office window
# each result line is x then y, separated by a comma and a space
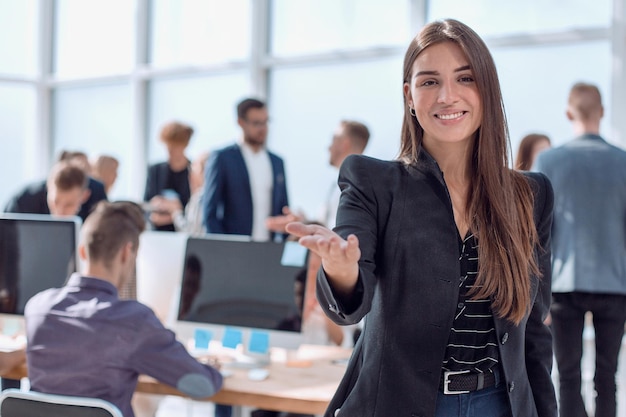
104, 75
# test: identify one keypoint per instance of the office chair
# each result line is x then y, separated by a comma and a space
16, 403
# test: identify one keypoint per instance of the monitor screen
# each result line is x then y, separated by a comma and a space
242, 283
37, 252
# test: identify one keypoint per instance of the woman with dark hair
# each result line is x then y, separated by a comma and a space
446, 250
530, 146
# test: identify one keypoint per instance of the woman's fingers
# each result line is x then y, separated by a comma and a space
326, 243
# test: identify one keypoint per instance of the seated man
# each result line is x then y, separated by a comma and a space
83, 340
62, 194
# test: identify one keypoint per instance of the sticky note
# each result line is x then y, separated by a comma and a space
202, 338
294, 254
232, 338
259, 342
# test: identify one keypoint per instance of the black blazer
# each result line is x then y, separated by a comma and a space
408, 287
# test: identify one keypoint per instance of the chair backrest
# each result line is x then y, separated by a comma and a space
16, 403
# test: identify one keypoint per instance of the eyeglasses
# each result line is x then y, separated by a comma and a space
257, 123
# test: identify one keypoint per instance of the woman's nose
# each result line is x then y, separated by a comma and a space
448, 93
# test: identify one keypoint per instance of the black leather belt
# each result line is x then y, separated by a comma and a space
463, 382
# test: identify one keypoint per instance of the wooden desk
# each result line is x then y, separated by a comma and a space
297, 389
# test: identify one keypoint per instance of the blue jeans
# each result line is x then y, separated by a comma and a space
488, 402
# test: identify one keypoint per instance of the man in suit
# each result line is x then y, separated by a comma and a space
244, 182
589, 251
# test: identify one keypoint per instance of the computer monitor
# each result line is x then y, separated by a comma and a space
252, 287
37, 252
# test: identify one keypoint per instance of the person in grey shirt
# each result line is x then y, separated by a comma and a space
588, 251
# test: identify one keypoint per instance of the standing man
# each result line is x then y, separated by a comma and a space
350, 138
588, 251
245, 183
82, 340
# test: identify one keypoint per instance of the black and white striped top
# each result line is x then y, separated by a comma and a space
472, 344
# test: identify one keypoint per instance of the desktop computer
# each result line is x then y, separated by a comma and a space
243, 295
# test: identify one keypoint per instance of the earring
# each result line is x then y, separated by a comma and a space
412, 111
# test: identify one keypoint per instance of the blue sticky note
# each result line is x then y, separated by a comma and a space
294, 254
202, 338
259, 342
11, 327
232, 338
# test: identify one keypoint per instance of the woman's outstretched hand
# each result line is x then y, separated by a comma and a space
340, 256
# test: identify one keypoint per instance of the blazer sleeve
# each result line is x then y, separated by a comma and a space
212, 200
538, 340
357, 214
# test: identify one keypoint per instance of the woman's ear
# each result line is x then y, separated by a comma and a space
407, 95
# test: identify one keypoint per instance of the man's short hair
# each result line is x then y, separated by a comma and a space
359, 133
585, 100
67, 175
176, 133
245, 105
109, 227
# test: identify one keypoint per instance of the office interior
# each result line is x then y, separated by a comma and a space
102, 76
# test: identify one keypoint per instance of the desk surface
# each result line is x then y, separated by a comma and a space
305, 385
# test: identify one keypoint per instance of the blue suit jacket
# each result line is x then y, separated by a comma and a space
227, 200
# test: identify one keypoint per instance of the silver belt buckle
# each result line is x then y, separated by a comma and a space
446, 381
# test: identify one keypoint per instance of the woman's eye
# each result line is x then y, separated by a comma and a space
428, 83
466, 79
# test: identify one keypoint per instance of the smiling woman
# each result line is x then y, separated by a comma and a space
449, 219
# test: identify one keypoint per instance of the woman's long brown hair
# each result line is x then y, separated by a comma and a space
500, 200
